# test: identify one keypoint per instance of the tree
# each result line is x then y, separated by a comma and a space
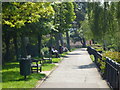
17, 16
69, 18
64, 15
104, 19
77, 34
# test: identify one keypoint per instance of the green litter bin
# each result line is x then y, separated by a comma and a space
25, 66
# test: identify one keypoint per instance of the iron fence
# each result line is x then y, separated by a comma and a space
109, 69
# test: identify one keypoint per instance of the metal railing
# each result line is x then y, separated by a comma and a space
110, 70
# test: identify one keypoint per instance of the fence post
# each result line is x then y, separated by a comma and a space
119, 77
95, 56
106, 69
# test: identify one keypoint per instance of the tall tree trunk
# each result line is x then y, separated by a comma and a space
23, 47
57, 41
61, 39
50, 46
83, 42
7, 42
1, 47
15, 45
51, 40
39, 44
68, 41
104, 45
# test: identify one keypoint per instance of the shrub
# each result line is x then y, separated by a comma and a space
113, 55
45, 50
92, 57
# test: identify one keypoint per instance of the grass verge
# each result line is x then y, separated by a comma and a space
11, 77
47, 67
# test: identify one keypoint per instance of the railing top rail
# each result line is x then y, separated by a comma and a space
113, 63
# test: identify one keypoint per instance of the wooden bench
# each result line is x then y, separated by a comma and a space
36, 65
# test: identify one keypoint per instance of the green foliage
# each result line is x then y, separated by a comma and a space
25, 19
92, 57
85, 30
113, 55
45, 50
64, 15
102, 65
104, 22
16, 14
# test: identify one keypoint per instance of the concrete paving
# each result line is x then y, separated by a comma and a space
75, 71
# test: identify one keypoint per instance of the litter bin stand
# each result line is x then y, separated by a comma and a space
25, 66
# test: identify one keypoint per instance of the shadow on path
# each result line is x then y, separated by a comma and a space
92, 65
65, 56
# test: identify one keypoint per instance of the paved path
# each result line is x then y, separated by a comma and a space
75, 71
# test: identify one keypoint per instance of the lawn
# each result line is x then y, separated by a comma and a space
11, 77
56, 60
47, 67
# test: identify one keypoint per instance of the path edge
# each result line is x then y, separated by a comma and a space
40, 82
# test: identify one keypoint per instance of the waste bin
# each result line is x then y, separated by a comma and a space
25, 66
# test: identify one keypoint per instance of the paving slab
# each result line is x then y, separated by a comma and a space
75, 71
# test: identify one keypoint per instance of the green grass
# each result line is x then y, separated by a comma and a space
47, 67
63, 54
92, 58
73, 49
56, 60
11, 77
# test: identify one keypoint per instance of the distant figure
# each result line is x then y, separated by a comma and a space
65, 49
54, 51
60, 49
90, 42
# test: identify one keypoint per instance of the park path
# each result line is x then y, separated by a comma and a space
75, 71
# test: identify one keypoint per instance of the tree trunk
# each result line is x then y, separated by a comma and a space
39, 45
16, 46
57, 41
68, 41
7, 42
23, 47
51, 41
83, 42
104, 45
1, 46
61, 39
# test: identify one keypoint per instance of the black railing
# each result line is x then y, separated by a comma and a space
109, 69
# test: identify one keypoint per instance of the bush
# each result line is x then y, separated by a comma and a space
45, 50
112, 47
113, 55
100, 50
92, 57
